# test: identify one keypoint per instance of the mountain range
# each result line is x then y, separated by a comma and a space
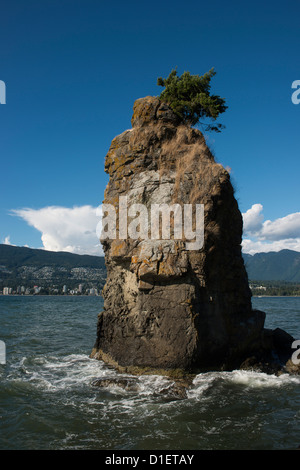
21, 264
283, 265
29, 267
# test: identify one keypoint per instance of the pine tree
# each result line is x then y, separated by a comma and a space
189, 97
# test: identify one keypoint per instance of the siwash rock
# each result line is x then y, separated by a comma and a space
167, 307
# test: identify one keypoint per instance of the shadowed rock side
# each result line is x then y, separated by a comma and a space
166, 307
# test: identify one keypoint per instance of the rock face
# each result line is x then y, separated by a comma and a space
167, 306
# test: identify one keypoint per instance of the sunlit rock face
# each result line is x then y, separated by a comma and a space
173, 302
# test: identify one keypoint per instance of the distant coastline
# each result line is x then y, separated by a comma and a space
275, 296
94, 294
99, 295
27, 270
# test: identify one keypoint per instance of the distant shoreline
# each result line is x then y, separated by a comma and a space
91, 295
48, 295
276, 296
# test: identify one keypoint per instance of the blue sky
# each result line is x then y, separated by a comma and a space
73, 69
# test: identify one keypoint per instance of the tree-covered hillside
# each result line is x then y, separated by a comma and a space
20, 266
283, 265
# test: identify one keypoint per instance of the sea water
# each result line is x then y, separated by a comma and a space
48, 401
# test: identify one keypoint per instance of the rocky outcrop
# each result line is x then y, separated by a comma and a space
173, 390
168, 306
274, 356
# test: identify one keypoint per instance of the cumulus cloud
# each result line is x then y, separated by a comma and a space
257, 246
7, 241
253, 219
76, 229
264, 236
65, 229
287, 227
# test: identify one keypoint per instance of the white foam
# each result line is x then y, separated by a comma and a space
254, 379
248, 379
52, 373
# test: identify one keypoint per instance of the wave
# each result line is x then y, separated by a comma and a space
54, 373
245, 380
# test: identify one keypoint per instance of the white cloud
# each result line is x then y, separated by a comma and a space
65, 229
75, 229
259, 236
7, 241
257, 246
283, 228
253, 219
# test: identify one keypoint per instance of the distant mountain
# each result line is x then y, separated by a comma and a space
12, 256
22, 265
283, 265
27, 266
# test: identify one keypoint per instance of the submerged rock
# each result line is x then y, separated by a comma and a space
126, 383
168, 304
173, 390
274, 355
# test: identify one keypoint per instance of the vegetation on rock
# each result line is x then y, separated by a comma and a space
190, 98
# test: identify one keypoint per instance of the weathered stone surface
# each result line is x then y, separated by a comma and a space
126, 383
167, 307
149, 110
292, 368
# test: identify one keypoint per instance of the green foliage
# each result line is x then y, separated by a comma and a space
189, 97
16, 256
275, 288
283, 265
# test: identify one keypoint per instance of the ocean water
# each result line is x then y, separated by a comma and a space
48, 401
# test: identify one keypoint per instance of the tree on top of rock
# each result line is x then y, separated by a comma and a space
189, 97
